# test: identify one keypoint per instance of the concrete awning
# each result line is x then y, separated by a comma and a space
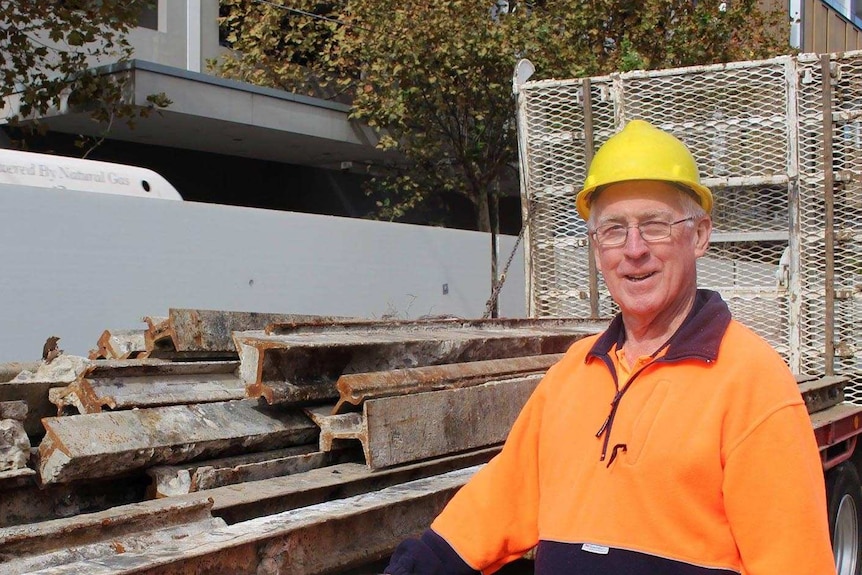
212, 114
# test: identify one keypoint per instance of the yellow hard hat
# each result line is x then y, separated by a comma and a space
642, 152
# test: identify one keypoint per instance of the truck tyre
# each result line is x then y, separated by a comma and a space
844, 493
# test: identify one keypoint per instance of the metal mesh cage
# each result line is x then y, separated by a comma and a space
757, 132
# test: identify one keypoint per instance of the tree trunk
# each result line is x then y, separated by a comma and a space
483, 215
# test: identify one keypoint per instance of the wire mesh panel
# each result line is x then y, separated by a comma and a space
842, 101
735, 118
761, 133
556, 164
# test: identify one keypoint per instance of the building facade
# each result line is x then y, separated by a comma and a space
826, 25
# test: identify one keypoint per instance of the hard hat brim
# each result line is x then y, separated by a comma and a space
584, 199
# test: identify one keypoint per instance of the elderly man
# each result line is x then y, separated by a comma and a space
674, 443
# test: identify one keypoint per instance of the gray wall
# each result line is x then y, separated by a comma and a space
77, 263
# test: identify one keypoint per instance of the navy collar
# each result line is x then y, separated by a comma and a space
699, 336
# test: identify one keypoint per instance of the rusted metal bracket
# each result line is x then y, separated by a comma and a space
400, 429
117, 442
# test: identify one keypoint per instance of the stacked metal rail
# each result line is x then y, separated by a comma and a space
271, 462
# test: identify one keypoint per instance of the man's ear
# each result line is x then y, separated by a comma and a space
703, 231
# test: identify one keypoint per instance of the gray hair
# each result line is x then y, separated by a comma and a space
690, 205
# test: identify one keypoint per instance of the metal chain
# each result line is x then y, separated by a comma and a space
498, 285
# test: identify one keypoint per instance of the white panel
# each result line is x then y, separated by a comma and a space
193, 35
75, 264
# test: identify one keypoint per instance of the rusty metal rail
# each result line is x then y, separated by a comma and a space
118, 386
14, 443
171, 480
312, 540
208, 333
130, 528
356, 388
245, 501
361, 326
399, 429
301, 363
178, 435
9, 370
113, 443
157, 335
120, 344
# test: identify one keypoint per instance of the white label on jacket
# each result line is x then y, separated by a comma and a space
600, 549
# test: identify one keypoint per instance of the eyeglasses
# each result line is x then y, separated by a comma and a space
615, 235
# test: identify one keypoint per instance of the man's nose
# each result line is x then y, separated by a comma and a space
635, 244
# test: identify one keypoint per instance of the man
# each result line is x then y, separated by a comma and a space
675, 443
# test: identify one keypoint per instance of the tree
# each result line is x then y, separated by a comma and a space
46, 51
435, 77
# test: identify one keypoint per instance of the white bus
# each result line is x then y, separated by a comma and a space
50, 171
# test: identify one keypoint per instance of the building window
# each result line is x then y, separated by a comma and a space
149, 17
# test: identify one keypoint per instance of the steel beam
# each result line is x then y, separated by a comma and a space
23, 500
111, 369
113, 443
119, 344
134, 528
127, 387
315, 540
245, 501
358, 387
9, 371
35, 394
400, 429
360, 326
14, 443
301, 363
23, 540
15, 478
171, 480
16, 410
157, 334
212, 330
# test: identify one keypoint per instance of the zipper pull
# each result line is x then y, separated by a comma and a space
604, 426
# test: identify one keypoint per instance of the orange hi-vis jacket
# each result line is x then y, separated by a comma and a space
703, 462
